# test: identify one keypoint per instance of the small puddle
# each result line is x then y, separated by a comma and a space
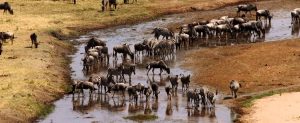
101, 108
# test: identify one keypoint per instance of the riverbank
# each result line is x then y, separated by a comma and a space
284, 106
31, 79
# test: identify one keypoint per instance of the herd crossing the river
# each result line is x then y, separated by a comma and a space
164, 44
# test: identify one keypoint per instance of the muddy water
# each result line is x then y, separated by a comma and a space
101, 108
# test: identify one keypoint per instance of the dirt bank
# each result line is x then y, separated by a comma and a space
279, 108
32, 78
258, 66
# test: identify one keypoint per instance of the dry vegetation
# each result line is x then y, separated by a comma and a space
32, 78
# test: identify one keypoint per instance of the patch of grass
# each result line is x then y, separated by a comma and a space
249, 102
44, 110
141, 117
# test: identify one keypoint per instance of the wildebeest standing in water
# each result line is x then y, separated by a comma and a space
114, 3
165, 32
246, 8
34, 41
6, 7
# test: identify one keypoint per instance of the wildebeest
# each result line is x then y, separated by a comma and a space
132, 93
7, 35
147, 93
252, 26
104, 5
124, 49
139, 47
193, 97
169, 91
211, 97
114, 3
139, 88
128, 69
246, 8
83, 85
155, 90
174, 82
6, 7
88, 62
165, 32
118, 87
263, 13
182, 40
202, 30
158, 64
185, 80
94, 42
117, 71
234, 87
33, 38
103, 53
295, 15
105, 82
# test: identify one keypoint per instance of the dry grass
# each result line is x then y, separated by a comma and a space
257, 66
32, 78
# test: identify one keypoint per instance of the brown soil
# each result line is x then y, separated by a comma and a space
258, 66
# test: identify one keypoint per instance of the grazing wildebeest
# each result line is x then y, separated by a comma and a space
104, 5
147, 93
1, 49
7, 35
139, 88
128, 69
174, 82
169, 91
158, 64
165, 32
33, 38
155, 90
83, 85
246, 8
263, 13
114, 3
185, 80
132, 93
124, 49
118, 87
234, 87
6, 7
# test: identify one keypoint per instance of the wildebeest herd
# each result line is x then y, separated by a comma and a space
96, 52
